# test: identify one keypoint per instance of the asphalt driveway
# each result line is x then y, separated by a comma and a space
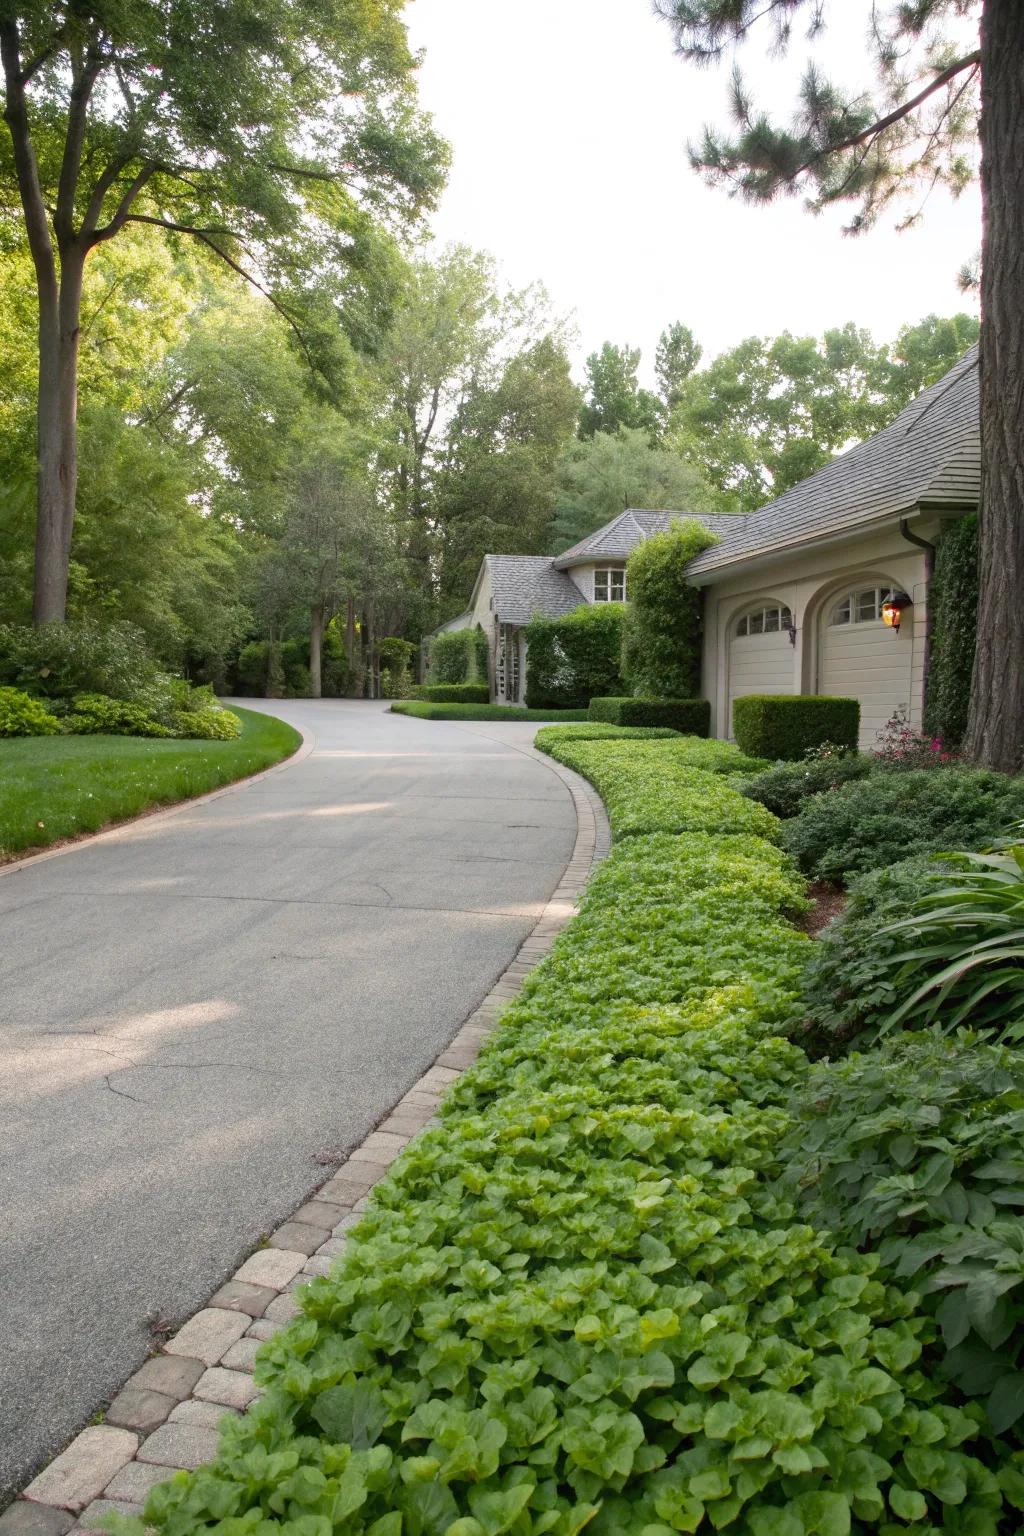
198, 1015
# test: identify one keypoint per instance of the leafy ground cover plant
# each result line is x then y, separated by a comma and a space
960, 951
917, 1149
421, 710
58, 787
888, 817
21, 715
594, 730
784, 787
585, 1299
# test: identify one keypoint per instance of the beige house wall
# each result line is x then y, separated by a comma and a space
809, 582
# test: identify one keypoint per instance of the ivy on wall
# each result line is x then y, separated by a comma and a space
954, 618
569, 660
662, 641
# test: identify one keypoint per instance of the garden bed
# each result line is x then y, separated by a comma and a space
421, 710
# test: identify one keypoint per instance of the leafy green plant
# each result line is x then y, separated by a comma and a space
56, 661
960, 951
422, 709
661, 646
209, 724
94, 714
953, 609
851, 983
22, 715
915, 1149
889, 817
690, 716
569, 660
453, 658
786, 725
784, 787
551, 736
452, 693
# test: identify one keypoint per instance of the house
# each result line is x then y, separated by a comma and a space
793, 593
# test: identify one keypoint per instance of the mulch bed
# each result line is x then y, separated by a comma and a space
828, 901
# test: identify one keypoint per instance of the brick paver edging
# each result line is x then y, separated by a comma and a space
166, 1416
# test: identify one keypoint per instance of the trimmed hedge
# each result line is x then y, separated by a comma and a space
786, 725
454, 658
451, 693
692, 717
586, 1299
570, 659
423, 710
661, 647
553, 735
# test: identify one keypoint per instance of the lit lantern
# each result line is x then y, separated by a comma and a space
893, 607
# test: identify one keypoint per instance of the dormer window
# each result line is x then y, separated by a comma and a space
610, 584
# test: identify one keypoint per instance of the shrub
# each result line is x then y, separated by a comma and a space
692, 717
784, 787
889, 817
481, 653
22, 715
252, 667
953, 601
210, 724
585, 1298
555, 735
850, 984
662, 637
452, 693
93, 714
453, 657
568, 660
785, 725
423, 709
901, 745
915, 1148
59, 660
963, 949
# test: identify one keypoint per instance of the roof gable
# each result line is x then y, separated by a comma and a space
617, 539
522, 585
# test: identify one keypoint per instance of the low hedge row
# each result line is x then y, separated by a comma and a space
422, 710
691, 716
552, 735
786, 725
586, 1298
452, 693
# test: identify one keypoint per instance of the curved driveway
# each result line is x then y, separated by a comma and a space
200, 1015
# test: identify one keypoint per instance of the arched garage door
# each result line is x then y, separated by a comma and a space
760, 652
862, 658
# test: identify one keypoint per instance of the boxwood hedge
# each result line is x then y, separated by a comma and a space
692, 716
786, 725
586, 1298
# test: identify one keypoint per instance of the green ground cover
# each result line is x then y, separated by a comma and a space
588, 1298
424, 711
55, 787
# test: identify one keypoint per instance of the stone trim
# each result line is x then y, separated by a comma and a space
165, 1416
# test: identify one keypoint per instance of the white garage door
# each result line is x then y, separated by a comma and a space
760, 653
862, 658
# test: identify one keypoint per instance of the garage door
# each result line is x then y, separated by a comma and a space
862, 658
760, 653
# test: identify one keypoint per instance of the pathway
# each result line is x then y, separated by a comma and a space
202, 1014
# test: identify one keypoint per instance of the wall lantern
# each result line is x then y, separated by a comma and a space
790, 629
893, 609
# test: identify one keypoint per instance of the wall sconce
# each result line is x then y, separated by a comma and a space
790, 629
893, 609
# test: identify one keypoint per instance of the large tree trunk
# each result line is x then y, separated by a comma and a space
59, 319
995, 730
316, 645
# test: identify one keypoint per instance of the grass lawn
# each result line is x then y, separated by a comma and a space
55, 787
424, 711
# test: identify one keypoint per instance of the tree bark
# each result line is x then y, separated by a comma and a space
995, 730
56, 422
316, 643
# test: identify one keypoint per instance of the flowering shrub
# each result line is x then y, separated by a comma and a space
901, 745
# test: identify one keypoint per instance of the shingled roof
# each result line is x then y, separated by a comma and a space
619, 537
522, 585
928, 457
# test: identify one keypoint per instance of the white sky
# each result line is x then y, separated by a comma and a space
569, 121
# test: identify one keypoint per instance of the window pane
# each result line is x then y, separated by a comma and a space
867, 605
771, 621
618, 586
743, 627
600, 586
841, 612
756, 624
785, 618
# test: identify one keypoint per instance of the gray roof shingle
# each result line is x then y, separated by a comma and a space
619, 537
522, 585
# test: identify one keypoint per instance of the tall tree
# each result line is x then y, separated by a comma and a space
916, 128
276, 133
614, 396
677, 356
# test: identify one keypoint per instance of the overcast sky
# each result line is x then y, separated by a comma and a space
568, 121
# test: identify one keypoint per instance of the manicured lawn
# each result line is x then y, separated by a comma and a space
54, 787
424, 711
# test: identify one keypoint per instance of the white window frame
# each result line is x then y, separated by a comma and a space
852, 602
770, 619
612, 577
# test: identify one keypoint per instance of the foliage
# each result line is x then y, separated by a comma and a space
668, 786
889, 817
22, 715
601, 476
851, 983
210, 724
569, 660
787, 725
915, 1148
614, 396
784, 787
676, 358
661, 643
396, 659
901, 745
585, 1299
422, 710
953, 600
64, 786
59, 660
690, 716
550, 736
94, 714
454, 658
452, 693
960, 950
